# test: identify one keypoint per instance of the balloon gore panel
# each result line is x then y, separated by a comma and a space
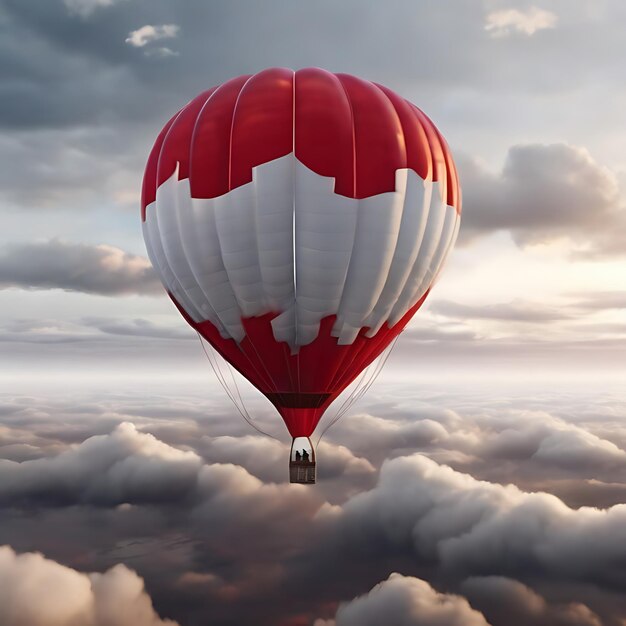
298, 220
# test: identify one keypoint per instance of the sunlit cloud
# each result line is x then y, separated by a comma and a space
410, 602
547, 193
504, 23
149, 33
39, 592
56, 264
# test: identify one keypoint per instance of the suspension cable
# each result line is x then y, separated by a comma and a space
359, 391
223, 382
366, 379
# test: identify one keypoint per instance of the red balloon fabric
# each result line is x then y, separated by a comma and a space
298, 220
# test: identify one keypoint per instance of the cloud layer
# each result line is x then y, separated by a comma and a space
40, 592
217, 510
546, 193
405, 601
102, 269
507, 21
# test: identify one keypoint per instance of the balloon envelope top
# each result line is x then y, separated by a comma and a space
298, 220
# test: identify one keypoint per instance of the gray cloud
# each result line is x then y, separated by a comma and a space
101, 269
534, 449
600, 300
545, 193
238, 38
94, 331
234, 534
518, 311
248, 36
507, 601
468, 527
87, 7
40, 592
126, 466
377, 437
406, 601
540, 436
162, 52
437, 333
79, 168
137, 328
44, 332
266, 459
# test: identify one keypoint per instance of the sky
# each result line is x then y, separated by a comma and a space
482, 476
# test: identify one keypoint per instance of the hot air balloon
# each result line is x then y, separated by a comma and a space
297, 221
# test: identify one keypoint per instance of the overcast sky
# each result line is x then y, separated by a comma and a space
146, 489
530, 97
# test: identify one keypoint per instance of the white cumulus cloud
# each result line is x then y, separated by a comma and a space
149, 33
407, 601
41, 592
125, 466
508, 21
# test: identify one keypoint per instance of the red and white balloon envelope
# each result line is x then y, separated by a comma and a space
298, 220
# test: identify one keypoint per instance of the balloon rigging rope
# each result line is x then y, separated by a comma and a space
349, 399
381, 365
224, 383
360, 389
366, 380
218, 373
363, 384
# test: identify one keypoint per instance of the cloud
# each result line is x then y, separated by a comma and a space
54, 264
466, 527
406, 601
374, 436
44, 332
579, 449
148, 33
266, 459
86, 335
540, 437
505, 22
506, 601
436, 334
248, 36
105, 470
161, 53
517, 311
71, 169
208, 519
85, 8
533, 447
40, 592
600, 300
500, 441
137, 327
546, 193
128, 467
